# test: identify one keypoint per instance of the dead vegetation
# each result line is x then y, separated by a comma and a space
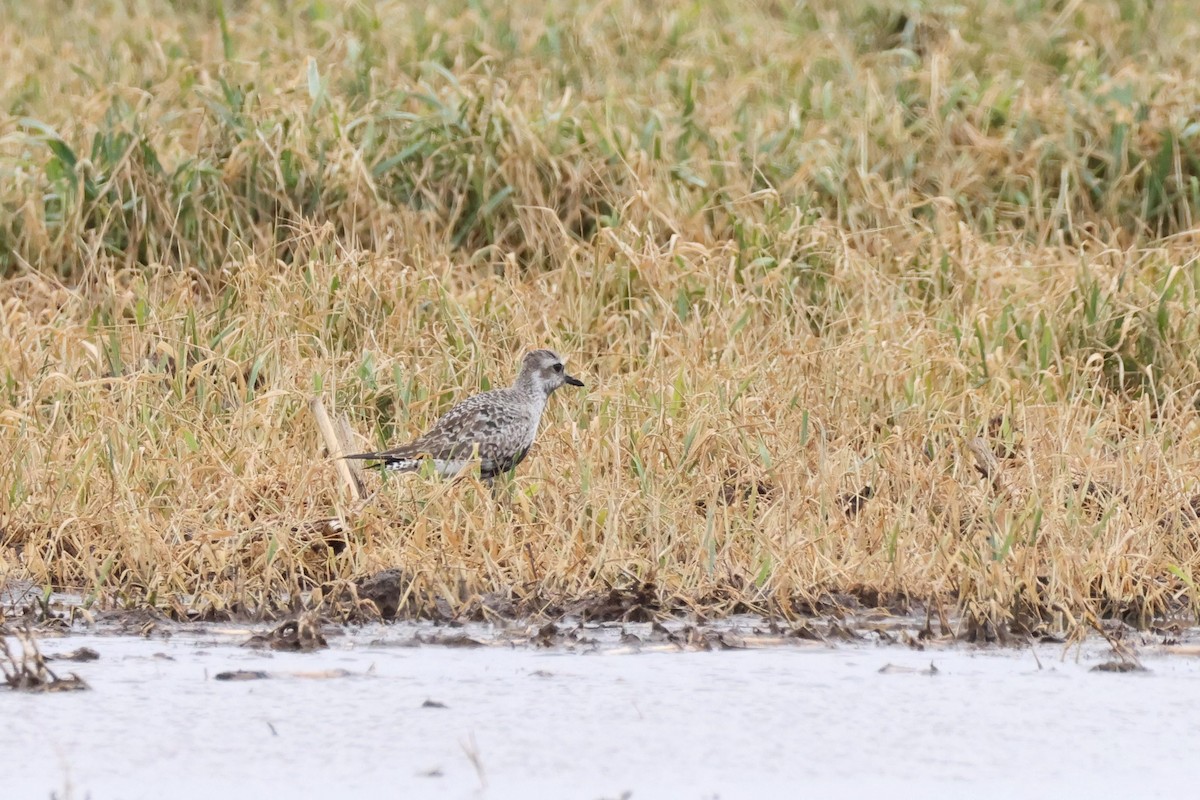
27, 671
873, 306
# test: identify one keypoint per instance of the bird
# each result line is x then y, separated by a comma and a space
496, 427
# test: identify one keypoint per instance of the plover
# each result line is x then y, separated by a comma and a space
496, 427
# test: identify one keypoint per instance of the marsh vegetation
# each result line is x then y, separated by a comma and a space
877, 303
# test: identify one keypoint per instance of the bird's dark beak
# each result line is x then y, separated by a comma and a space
571, 380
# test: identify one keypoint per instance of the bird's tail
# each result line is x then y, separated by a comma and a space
394, 461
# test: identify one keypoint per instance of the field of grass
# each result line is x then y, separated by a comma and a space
887, 300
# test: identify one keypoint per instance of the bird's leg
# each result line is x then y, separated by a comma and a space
502, 485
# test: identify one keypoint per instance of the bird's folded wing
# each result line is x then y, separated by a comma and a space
487, 430
493, 433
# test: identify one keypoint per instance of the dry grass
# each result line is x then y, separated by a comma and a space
794, 253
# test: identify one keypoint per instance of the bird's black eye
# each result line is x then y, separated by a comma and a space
558, 367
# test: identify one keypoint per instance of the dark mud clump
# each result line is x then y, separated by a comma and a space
242, 675
1123, 665
78, 655
302, 634
736, 489
636, 603
853, 502
386, 590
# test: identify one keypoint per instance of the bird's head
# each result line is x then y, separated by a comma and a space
543, 370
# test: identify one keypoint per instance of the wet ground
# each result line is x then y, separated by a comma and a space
409, 710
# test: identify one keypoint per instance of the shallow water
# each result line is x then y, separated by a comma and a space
534, 723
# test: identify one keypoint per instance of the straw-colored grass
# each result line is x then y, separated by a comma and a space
798, 248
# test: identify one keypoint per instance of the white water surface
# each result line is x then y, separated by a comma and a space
521, 722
